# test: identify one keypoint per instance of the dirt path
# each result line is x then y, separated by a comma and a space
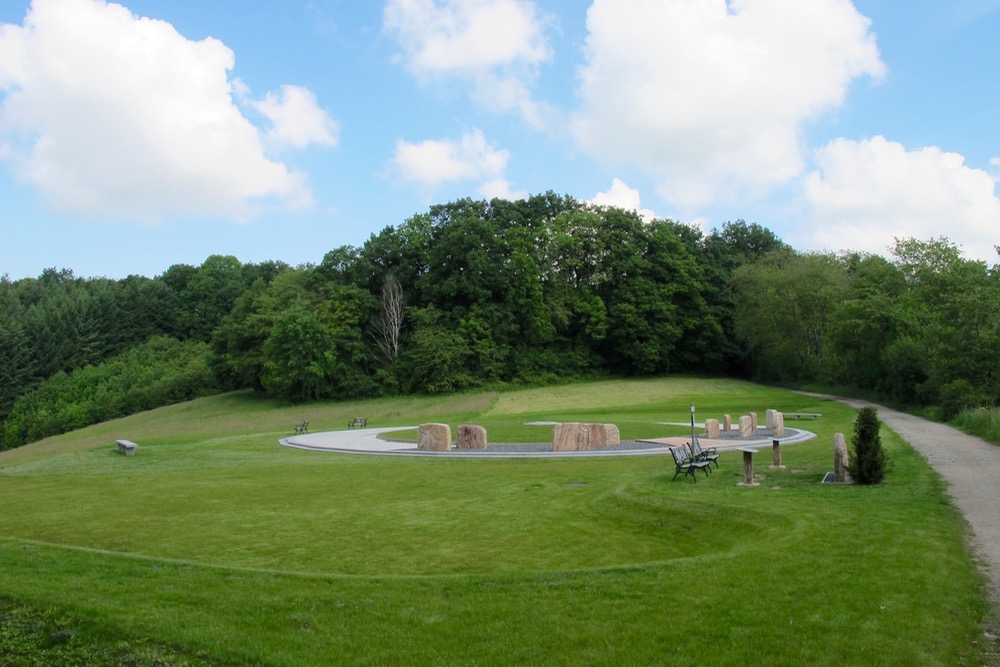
971, 467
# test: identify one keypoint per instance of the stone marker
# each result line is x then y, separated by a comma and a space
470, 436
727, 423
769, 419
746, 426
711, 428
753, 421
840, 459
434, 438
578, 437
778, 428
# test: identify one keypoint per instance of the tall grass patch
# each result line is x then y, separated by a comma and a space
981, 422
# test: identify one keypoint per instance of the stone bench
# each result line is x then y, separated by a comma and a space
126, 447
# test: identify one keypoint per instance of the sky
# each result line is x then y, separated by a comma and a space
147, 133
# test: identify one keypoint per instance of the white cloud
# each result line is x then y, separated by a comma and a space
711, 96
430, 163
499, 188
296, 119
109, 114
622, 196
867, 192
497, 45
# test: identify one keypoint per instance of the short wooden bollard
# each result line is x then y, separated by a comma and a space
776, 449
748, 468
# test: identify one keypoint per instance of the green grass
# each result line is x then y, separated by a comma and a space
982, 422
216, 541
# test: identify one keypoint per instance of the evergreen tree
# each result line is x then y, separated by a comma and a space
869, 463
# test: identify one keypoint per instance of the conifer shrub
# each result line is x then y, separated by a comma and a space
869, 463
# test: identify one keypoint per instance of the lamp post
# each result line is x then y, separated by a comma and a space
692, 426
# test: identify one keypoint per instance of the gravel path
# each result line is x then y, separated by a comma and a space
970, 466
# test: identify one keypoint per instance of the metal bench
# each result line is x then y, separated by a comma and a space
302, 428
699, 454
358, 422
683, 463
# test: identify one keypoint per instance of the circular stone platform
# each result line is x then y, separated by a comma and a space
367, 441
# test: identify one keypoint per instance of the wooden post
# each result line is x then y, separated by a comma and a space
748, 468
776, 448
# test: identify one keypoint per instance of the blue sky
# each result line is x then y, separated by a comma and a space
147, 133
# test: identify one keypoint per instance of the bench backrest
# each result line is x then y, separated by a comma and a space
680, 455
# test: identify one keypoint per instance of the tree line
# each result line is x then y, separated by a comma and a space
474, 293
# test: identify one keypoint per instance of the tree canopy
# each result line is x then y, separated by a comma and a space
477, 292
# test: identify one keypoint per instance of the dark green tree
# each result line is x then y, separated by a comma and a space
869, 463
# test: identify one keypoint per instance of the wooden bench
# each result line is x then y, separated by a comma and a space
358, 422
126, 447
683, 463
302, 428
802, 415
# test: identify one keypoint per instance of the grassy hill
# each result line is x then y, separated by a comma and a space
214, 544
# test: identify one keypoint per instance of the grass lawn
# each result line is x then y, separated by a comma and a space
215, 544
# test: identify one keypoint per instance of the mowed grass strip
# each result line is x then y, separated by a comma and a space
215, 539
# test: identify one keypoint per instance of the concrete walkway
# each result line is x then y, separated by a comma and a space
366, 441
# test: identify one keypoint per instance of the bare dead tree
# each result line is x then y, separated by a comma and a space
390, 324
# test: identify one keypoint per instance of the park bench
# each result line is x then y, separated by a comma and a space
302, 428
685, 464
802, 415
126, 447
699, 454
358, 422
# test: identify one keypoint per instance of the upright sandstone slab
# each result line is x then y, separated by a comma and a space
470, 436
711, 428
580, 437
434, 438
840, 458
778, 425
746, 426
727, 423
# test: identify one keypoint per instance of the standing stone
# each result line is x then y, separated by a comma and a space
778, 428
612, 436
434, 438
746, 426
711, 428
577, 437
564, 437
727, 423
753, 421
769, 419
471, 437
840, 459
